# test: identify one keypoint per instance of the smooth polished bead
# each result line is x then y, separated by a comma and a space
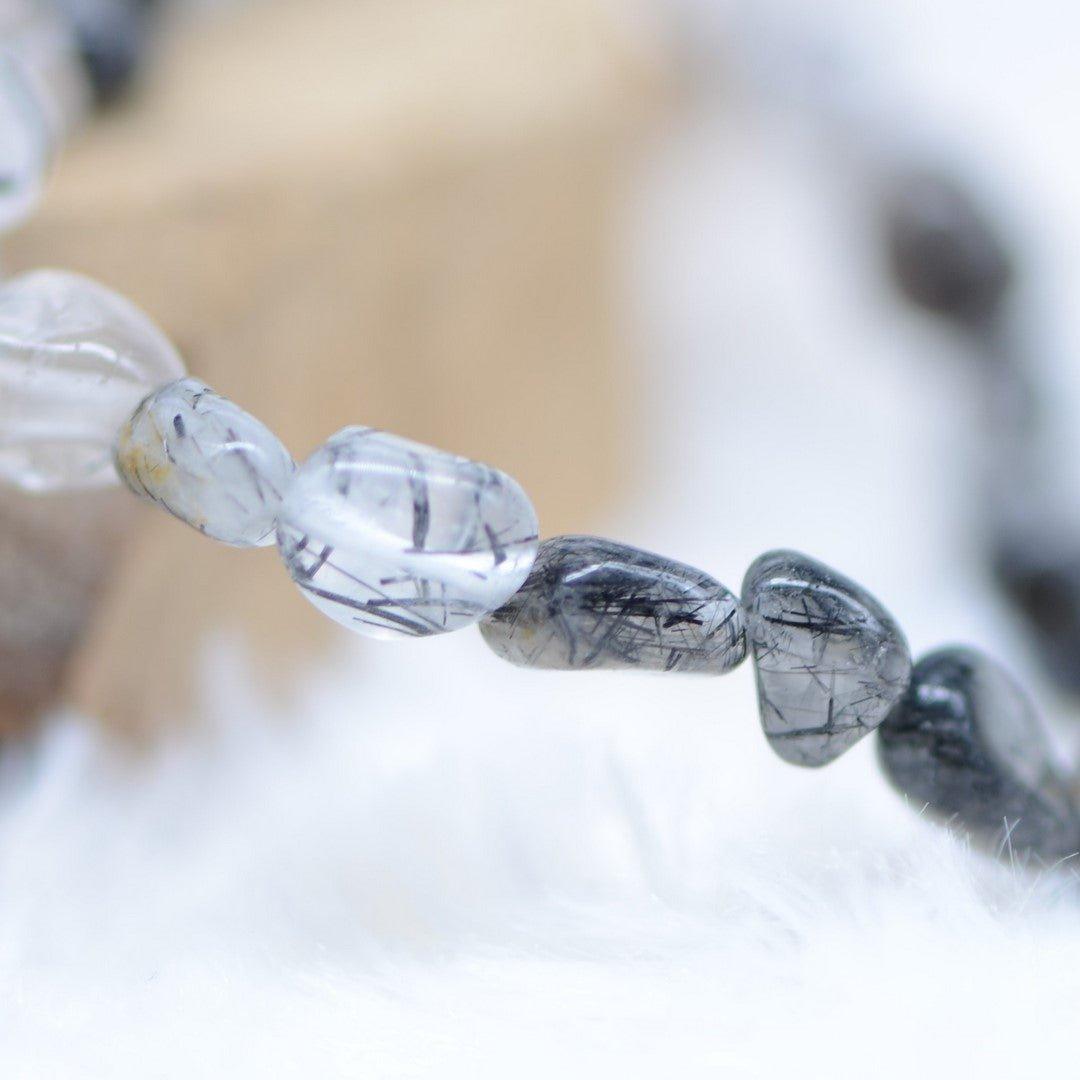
75, 361
593, 603
26, 142
829, 659
207, 462
392, 538
965, 742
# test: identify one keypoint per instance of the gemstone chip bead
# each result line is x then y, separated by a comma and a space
207, 462
829, 659
966, 743
593, 603
392, 538
75, 361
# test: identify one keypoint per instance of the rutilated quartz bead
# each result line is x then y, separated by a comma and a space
206, 461
392, 538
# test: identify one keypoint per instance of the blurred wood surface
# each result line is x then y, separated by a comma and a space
394, 213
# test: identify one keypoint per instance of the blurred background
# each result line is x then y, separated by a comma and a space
706, 277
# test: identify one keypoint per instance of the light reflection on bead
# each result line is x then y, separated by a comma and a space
75, 361
392, 538
207, 462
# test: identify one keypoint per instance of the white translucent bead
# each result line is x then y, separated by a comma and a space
75, 360
26, 142
392, 538
207, 462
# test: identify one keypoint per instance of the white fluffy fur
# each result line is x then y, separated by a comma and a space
436, 865
597, 877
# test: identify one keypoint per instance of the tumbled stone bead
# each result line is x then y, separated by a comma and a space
392, 538
593, 603
1041, 579
75, 360
829, 659
26, 142
207, 462
965, 743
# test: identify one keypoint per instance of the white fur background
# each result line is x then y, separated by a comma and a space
439, 866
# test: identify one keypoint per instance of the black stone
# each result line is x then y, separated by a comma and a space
965, 742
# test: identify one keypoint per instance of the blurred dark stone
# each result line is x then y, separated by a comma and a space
966, 743
1045, 591
944, 255
112, 36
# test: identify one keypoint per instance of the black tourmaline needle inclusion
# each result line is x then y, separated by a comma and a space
830, 660
593, 603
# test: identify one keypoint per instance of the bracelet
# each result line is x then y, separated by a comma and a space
394, 539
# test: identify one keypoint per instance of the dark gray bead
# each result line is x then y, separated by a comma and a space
1041, 579
112, 37
592, 603
829, 659
394, 539
945, 254
965, 742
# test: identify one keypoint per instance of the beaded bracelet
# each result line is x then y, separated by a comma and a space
394, 539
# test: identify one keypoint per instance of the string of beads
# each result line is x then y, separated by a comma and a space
395, 539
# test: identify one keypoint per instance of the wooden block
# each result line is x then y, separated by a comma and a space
395, 214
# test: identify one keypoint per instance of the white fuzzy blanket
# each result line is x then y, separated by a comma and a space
436, 865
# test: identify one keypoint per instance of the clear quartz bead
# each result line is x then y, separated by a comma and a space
207, 462
392, 538
75, 361
42, 39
